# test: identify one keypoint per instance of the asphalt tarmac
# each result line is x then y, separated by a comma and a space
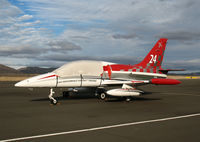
25, 113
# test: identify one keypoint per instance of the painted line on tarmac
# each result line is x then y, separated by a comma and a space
101, 128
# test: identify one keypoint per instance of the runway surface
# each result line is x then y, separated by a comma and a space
162, 114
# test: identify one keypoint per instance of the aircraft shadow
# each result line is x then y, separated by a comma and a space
147, 93
79, 97
134, 99
60, 98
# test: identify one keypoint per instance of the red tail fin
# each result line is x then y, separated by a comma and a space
155, 56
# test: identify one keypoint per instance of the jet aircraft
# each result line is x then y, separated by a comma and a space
108, 79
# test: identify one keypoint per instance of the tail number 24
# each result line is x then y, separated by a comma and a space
153, 59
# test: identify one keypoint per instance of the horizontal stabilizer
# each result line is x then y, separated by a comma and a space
165, 71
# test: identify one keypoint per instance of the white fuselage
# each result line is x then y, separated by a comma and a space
51, 80
89, 74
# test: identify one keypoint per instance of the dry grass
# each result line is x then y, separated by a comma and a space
14, 77
9, 78
182, 77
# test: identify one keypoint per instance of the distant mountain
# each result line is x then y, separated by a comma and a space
196, 73
35, 70
191, 73
27, 70
7, 70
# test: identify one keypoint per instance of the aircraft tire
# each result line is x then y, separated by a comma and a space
103, 96
128, 99
54, 102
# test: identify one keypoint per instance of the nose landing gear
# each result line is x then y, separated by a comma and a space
52, 99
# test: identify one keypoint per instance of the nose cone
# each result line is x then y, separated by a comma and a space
17, 84
44, 80
21, 84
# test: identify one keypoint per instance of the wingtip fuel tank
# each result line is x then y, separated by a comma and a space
161, 81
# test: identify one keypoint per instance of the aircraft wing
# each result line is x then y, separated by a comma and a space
143, 75
156, 81
129, 86
118, 82
165, 71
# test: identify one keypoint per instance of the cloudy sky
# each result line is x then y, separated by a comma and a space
49, 33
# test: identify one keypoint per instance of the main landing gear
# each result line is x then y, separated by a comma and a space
52, 99
128, 99
103, 96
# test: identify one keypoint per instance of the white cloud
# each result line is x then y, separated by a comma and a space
25, 17
64, 45
20, 38
106, 28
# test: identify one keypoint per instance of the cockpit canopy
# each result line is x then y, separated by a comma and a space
82, 67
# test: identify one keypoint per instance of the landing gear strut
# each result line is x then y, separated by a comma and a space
52, 100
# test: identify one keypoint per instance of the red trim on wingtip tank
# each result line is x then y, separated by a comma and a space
161, 81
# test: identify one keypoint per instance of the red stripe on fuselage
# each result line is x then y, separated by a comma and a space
49, 76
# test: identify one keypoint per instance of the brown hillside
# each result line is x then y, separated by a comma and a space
7, 70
